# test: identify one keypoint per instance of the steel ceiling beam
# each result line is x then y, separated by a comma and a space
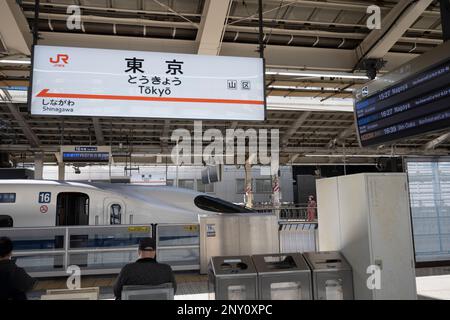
211, 36
438, 141
276, 56
379, 42
14, 28
340, 138
356, 6
295, 126
165, 136
109, 9
138, 22
98, 131
292, 151
26, 128
210, 33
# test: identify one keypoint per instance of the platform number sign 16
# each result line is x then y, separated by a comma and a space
45, 197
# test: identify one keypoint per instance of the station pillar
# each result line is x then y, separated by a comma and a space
276, 192
38, 166
61, 171
248, 185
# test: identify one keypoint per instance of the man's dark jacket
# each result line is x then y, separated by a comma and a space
14, 281
144, 272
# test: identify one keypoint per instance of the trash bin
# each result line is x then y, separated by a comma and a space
283, 276
232, 278
331, 274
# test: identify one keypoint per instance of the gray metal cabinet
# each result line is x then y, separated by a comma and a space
237, 234
367, 218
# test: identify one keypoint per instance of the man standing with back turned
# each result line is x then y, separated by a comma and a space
145, 271
14, 281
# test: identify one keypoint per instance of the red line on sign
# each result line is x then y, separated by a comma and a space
46, 94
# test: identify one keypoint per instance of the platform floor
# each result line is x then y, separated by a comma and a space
192, 286
433, 287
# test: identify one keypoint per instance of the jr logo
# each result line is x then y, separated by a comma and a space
60, 60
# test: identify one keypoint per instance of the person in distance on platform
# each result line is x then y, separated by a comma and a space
145, 271
14, 281
311, 210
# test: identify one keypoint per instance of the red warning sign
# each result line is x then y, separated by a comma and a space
43, 209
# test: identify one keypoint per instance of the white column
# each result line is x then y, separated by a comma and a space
61, 171
276, 191
248, 185
38, 166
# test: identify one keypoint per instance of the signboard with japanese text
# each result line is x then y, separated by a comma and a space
114, 83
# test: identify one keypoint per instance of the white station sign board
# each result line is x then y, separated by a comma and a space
114, 83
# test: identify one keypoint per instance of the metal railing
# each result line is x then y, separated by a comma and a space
49, 251
287, 212
179, 245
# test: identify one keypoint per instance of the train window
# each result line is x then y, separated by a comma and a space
186, 183
6, 221
115, 214
212, 204
263, 186
169, 182
7, 197
206, 188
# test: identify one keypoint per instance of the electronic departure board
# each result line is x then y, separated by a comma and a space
85, 154
412, 100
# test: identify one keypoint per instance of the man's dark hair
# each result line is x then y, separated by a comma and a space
6, 246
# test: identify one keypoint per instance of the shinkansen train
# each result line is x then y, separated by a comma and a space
32, 203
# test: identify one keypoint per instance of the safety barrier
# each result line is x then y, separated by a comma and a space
179, 245
49, 251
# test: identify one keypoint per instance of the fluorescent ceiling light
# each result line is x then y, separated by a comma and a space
309, 104
348, 155
308, 88
7, 61
317, 74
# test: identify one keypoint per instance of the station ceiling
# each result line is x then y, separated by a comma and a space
320, 37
